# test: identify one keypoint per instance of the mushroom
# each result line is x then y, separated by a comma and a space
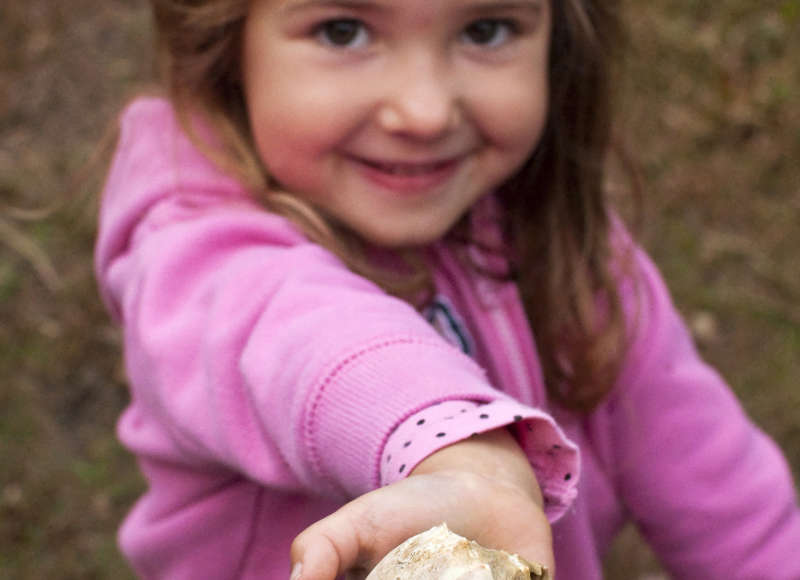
439, 554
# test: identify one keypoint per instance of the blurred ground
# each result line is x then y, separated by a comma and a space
710, 108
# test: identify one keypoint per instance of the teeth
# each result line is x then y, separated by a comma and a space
406, 169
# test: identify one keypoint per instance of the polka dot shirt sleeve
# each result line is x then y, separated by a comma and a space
554, 458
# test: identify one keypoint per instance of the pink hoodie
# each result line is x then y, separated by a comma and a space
270, 385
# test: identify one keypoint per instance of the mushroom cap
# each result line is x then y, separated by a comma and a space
439, 554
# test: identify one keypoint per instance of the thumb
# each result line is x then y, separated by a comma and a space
326, 549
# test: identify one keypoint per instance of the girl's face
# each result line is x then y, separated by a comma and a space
395, 116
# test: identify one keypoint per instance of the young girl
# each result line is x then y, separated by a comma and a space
369, 282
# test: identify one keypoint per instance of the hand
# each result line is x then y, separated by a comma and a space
483, 488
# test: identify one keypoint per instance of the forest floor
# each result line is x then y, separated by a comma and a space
709, 107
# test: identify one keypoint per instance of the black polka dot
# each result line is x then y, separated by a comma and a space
402, 468
567, 477
517, 417
421, 422
388, 458
441, 434
484, 416
463, 410
556, 447
407, 443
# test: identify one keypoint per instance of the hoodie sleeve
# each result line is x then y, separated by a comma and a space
711, 493
246, 346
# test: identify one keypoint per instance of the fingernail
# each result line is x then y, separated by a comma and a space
296, 571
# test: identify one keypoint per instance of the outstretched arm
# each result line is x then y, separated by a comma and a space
483, 488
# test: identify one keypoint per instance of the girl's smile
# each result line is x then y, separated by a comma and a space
407, 177
395, 116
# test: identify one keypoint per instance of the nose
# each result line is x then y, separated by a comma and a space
421, 100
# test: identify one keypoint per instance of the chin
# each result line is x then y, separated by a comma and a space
403, 239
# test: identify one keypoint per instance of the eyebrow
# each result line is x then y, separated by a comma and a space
490, 6
372, 5
506, 4
291, 6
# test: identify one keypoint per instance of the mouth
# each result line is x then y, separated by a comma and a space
409, 177
406, 168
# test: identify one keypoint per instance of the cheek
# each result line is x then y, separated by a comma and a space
513, 114
289, 138
309, 122
524, 116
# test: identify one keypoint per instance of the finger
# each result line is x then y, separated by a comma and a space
327, 548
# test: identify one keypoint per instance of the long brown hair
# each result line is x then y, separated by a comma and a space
557, 224
560, 225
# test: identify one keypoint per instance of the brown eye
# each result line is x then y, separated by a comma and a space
345, 33
488, 32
